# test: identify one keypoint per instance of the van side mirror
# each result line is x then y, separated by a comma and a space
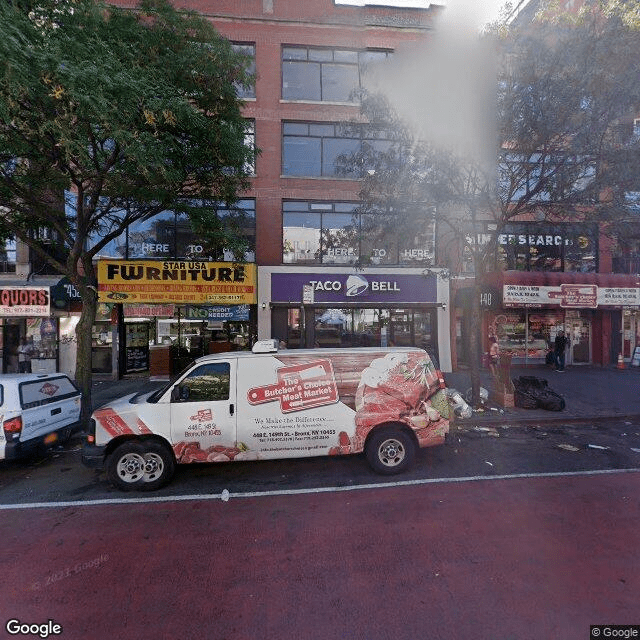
180, 393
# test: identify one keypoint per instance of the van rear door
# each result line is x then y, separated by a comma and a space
204, 412
48, 404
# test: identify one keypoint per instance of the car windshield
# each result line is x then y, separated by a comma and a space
158, 393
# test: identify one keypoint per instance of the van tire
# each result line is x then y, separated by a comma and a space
140, 466
390, 450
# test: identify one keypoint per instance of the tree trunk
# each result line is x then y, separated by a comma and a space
84, 358
475, 342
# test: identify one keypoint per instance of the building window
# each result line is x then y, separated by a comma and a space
8, 256
249, 50
327, 75
542, 177
168, 235
548, 247
327, 149
338, 233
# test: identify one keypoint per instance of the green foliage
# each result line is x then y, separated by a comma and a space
133, 111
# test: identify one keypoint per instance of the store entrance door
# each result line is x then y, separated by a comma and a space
579, 332
630, 333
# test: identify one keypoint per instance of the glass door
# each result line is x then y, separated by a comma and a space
579, 333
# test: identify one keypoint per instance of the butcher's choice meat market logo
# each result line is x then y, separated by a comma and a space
299, 387
48, 389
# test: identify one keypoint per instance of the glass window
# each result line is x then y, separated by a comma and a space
379, 240
239, 220
337, 233
301, 156
581, 249
8, 256
324, 74
416, 239
334, 151
340, 238
301, 237
301, 80
248, 50
339, 82
153, 238
513, 248
208, 382
548, 247
293, 328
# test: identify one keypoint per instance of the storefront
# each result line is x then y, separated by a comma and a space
597, 312
338, 307
27, 312
169, 313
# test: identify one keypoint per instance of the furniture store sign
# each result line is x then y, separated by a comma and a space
176, 281
25, 301
354, 287
570, 296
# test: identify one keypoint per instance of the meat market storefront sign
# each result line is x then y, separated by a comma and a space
570, 296
179, 282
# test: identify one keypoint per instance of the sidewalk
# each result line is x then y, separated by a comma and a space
590, 393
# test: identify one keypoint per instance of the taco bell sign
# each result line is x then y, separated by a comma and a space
354, 287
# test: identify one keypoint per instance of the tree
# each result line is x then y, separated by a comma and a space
134, 112
561, 94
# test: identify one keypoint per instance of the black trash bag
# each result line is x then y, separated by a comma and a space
550, 400
531, 392
524, 400
532, 381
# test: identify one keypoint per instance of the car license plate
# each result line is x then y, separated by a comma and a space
51, 437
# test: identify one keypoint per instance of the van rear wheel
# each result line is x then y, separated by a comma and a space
390, 450
140, 466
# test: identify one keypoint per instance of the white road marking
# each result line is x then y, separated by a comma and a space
293, 492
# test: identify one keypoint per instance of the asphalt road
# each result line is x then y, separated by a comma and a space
472, 452
518, 534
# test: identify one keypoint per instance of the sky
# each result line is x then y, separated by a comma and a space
479, 11
445, 89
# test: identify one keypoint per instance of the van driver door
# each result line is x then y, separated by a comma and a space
203, 413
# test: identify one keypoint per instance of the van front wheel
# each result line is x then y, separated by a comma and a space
141, 466
390, 450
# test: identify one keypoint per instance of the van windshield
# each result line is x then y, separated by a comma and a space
156, 395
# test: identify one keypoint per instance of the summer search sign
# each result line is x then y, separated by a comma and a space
176, 281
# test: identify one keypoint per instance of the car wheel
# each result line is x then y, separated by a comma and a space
141, 466
390, 450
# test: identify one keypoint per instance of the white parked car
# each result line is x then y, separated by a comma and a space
36, 411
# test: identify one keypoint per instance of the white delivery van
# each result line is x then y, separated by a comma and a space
274, 404
36, 411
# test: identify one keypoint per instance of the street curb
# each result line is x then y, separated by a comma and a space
524, 421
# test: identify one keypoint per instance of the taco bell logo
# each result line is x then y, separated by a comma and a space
356, 285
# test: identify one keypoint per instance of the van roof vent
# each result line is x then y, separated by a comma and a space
265, 346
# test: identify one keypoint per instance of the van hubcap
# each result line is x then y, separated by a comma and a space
131, 467
153, 467
391, 453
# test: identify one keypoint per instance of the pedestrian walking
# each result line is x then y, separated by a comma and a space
560, 345
25, 351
